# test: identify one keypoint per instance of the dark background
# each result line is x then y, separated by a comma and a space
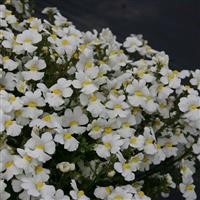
170, 25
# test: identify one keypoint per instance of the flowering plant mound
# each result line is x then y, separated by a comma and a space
83, 116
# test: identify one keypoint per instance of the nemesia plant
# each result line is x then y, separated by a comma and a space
83, 116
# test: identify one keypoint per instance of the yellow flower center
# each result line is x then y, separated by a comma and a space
34, 68
126, 125
169, 145
193, 107
38, 169
172, 75
86, 82
135, 159
118, 197
160, 88
141, 73
96, 128
67, 136
107, 130
6, 58
141, 193
148, 141
27, 158
138, 93
39, 185
39, 146
163, 105
12, 98
158, 146
108, 190
8, 123
47, 118
54, 36
73, 123
149, 98
189, 187
126, 166
9, 164
65, 42
133, 140
88, 65
32, 104
93, 98
57, 91
117, 106
80, 193
107, 145
27, 40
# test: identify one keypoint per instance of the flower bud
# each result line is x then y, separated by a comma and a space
111, 173
65, 166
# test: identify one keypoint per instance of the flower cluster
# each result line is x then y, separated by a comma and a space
83, 116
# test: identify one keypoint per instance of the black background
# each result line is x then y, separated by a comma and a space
169, 25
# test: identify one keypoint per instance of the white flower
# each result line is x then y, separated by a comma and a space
4, 195
47, 120
24, 161
187, 169
137, 92
10, 43
149, 146
125, 169
7, 166
36, 187
9, 125
187, 189
172, 78
75, 120
66, 45
40, 148
96, 128
58, 91
33, 100
135, 161
141, 196
28, 38
59, 195
161, 59
8, 81
85, 82
126, 129
190, 105
120, 194
196, 78
132, 44
196, 148
93, 103
111, 144
162, 91
168, 147
117, 107
77, 194
65, 137
137, 142
159, 155
8, 63
34, 66
103, 192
